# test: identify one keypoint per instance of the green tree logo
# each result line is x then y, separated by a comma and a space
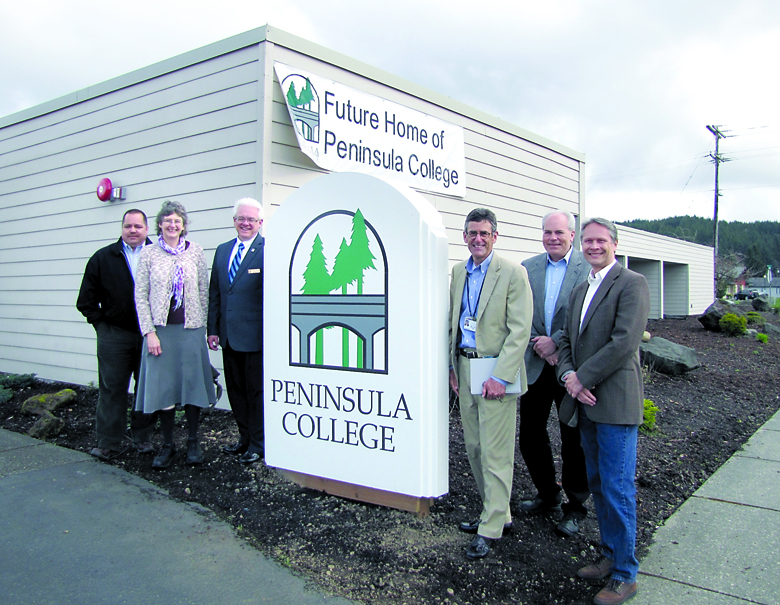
303, 106
350, 264
304, 99
316, 280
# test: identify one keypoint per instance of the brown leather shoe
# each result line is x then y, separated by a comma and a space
105, 454
144, 447
596, 571
615, 593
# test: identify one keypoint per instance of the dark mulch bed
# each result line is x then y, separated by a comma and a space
376, 555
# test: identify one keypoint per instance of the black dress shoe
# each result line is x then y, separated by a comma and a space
568, 526
236, 449
537, 506
249, 458
194, 453
471, 527
479, 548
163, 460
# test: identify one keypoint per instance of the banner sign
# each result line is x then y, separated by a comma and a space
345, 130
355, 336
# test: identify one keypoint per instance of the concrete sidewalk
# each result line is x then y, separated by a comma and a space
722, 546
75, 530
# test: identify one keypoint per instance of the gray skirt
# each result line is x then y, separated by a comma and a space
181, 374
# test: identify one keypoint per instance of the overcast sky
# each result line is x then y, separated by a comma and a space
631, 84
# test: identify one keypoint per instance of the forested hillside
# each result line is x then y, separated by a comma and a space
758, 243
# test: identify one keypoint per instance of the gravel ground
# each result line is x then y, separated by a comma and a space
377, 555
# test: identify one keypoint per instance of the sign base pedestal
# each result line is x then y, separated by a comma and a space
414, 504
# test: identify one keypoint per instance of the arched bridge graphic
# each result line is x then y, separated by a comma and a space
308, 117
364, 314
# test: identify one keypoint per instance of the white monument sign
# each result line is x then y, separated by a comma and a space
355, 336
345, 130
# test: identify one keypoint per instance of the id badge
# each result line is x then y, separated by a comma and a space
470, 324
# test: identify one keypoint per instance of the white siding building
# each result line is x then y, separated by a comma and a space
210, 126
679, 273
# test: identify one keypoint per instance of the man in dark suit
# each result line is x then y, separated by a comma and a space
490, 316
599, 365
553, 275
107, 300
235, 323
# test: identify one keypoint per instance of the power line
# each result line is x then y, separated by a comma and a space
654, 168
717, 160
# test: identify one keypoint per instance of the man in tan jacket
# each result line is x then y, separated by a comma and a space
491, 308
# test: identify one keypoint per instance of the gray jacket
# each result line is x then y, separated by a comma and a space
576, 273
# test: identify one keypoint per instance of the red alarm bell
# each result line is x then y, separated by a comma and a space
104, 190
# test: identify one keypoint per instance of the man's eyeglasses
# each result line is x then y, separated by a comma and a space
482, 234
246, 219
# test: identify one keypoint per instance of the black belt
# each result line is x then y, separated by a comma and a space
468, 354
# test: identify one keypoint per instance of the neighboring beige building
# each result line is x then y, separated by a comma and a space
211, 126
679, 273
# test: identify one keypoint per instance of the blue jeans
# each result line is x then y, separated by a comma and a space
610, 458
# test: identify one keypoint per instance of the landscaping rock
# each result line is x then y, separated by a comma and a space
49, 402
47, 426
761, 304
769, 328
668, 357
710, 319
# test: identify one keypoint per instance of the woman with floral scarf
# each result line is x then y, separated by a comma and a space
171, 297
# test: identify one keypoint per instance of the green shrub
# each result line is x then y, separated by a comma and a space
755, 318
649, 417
762, 338
16, 381
6, 395
776, 306
733, 325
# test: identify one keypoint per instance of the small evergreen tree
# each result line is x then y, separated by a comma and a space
316, 280
343, 275
292, 97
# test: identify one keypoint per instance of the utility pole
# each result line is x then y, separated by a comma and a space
716, 159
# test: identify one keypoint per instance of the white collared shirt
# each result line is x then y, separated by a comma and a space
247, 246
594, 281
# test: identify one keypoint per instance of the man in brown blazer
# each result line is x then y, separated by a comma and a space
490, 316
599, 365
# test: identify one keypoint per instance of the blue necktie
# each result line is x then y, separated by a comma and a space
236, 262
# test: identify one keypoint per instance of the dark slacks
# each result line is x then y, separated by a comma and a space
244, 382
535, 447
119, 358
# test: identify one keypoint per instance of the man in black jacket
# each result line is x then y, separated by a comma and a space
107, 300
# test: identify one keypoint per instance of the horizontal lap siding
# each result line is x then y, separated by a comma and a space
518, 179
635, 243
189, 135
192, 135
